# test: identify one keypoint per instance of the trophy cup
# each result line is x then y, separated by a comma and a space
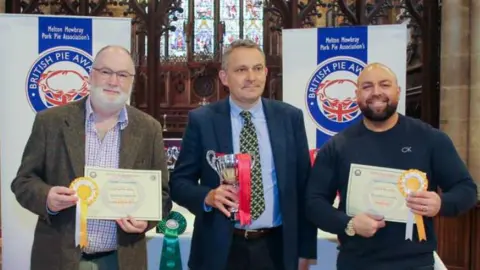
226, 167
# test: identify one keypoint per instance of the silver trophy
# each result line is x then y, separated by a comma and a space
226, 167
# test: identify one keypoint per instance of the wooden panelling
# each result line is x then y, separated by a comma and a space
475, 240
454, 241
459, 240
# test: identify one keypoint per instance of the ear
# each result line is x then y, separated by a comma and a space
266, 71
223, 77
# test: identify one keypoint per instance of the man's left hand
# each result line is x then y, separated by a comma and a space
131, 225
304, 264
424, 203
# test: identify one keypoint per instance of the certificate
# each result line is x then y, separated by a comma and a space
122, 192
374, 190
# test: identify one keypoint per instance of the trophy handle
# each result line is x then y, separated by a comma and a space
212, 161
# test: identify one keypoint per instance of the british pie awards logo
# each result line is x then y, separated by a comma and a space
330, 93
57, 77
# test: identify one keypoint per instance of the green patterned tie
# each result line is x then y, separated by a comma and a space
249, 144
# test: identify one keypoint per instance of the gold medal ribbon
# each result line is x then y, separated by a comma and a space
87, 192
413, 181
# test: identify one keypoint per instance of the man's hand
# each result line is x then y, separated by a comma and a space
60, 198
224, 197
131, 225
424, 203
304, 264
367, 225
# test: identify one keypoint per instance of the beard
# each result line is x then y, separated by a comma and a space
108, 103
376, 115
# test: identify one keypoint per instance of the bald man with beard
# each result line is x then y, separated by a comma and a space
368, 241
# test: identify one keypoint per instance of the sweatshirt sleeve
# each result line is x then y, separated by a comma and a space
459, 191
322, 189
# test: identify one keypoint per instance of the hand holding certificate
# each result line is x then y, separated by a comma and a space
381, 192
123, 193
117, 194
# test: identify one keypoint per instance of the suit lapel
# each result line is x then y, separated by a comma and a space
74, 134
223, 127
277, 141
130, 139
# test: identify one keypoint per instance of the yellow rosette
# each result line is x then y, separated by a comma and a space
87, 192
413, 181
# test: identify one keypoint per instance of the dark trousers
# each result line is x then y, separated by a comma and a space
263, 253
421, 262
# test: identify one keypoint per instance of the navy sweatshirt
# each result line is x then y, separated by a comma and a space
410, 144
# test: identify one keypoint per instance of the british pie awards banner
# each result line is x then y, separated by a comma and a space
46, 61
320, 72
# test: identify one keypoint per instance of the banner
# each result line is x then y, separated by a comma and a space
46, 61
321, 71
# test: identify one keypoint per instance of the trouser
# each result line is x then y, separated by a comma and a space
99, 261
421, 262
262, 251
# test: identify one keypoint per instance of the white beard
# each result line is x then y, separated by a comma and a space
107, 103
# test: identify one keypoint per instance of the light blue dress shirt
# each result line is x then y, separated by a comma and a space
271, 217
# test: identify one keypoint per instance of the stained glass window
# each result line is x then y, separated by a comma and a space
241, 18
177, 39
253, 21
230, 15
204, 27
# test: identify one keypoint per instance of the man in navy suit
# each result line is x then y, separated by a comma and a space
279, 237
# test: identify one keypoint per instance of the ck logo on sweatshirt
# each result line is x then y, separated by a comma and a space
407, 149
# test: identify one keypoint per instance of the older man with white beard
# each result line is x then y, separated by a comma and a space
100, 130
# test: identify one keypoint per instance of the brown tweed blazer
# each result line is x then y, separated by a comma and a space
55, 155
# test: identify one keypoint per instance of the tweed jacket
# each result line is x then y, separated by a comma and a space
55, 155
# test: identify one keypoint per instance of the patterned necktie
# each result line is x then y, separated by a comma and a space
249, 144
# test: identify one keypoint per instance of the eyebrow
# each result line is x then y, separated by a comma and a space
245, 66
122, 70
382, 81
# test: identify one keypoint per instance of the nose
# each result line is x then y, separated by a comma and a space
377, 90
113, 80
251, 75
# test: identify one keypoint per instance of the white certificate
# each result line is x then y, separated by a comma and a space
375, 190
122, 193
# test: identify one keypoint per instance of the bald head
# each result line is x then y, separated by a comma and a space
377, 68
377, 92
107, 53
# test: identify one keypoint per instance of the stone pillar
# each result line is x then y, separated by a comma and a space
2, 6
474, 118
455, 73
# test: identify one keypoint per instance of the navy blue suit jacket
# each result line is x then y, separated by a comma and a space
209, 128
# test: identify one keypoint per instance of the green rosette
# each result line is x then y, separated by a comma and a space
171, 227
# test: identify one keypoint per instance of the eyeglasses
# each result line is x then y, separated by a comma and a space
106, 73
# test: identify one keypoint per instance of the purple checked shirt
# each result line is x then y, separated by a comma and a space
102, 234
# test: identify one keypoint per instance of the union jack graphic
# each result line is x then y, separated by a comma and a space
333, 108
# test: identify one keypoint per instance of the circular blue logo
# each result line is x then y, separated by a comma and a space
58, 76
330, 94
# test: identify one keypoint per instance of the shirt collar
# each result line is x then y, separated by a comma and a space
256, 110
122, 117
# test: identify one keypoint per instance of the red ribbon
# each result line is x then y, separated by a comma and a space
244, 190
313, 154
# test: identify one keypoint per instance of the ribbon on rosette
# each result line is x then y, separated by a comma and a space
87, 192
413, 181
171, 227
